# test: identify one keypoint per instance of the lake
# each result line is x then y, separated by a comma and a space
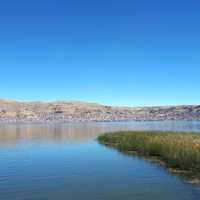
64, 161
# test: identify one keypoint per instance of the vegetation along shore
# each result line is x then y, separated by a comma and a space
179, 152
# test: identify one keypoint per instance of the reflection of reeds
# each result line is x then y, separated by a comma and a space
177, 150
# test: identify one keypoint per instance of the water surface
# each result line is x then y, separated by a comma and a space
64, 161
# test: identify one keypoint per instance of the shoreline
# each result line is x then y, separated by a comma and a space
91, 121
122, 141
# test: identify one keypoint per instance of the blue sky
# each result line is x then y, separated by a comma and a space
116, 52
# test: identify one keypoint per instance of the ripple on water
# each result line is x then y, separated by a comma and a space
65, 161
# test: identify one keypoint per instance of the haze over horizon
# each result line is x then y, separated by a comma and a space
124, 53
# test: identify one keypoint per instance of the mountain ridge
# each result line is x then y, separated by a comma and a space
79, 111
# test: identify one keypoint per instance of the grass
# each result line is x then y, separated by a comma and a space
180, 152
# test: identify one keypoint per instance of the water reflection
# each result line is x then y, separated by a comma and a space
42, 163
80, 132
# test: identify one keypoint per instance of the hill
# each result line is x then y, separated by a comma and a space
62, 111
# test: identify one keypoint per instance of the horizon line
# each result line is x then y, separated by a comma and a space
92, 102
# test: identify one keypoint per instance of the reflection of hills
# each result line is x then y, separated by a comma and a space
79, 132
69, 133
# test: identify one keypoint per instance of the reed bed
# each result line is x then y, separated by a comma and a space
179, 151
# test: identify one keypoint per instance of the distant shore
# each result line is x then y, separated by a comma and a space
75, 111
179, 152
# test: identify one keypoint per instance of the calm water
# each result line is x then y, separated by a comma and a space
64, 161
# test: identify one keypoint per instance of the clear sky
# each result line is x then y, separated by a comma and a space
115, 52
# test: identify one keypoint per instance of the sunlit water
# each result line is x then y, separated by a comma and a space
64, 161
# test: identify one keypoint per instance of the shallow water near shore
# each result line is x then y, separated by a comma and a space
65, 161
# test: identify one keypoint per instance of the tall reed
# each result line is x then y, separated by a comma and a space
177, 150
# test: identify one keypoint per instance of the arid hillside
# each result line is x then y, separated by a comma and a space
14, 111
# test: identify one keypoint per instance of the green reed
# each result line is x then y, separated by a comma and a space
176, 149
